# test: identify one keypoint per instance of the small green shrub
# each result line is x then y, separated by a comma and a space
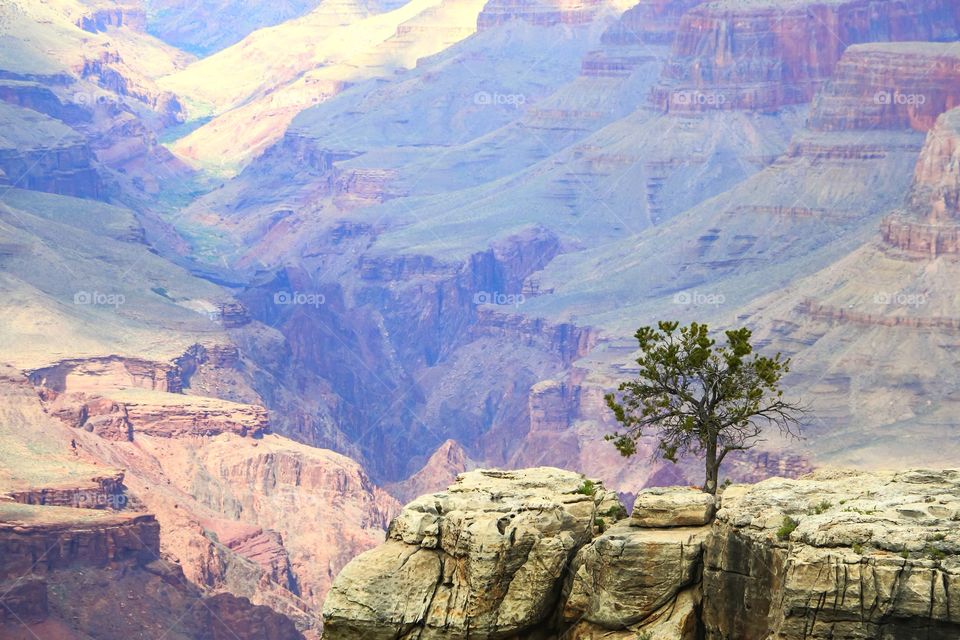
858, 548
600, 524
615, 513
934, 553
822, 507
936, 537
788, 526
588, 488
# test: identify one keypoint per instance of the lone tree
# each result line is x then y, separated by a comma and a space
700, 398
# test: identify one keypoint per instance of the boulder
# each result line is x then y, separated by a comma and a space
677, 620
672, 507
484, 559
625, 575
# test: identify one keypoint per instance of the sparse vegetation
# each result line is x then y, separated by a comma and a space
822, 507
858, 548
615, 513
700, 398
788, 527
600, 524
936, 537
934, 553
588, 488
864, 512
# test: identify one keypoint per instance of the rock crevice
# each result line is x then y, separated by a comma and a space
529, 555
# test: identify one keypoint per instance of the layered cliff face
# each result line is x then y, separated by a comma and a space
843, 555
42, 154
764, 55
929, 224
883, 87
75, 573
887, 289
80, 558
242, 512
538, 12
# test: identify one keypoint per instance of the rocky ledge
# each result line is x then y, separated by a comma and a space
544, 553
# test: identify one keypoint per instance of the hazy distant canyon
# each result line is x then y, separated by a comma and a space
269, 269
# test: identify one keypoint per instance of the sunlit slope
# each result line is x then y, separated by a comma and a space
47, 38
206, 27
77, 269
286, 69
429, 131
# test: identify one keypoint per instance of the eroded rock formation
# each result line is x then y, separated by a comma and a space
538, 12
485, 559
763, 55
835, 554
930, 224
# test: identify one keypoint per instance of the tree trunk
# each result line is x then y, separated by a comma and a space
713, 468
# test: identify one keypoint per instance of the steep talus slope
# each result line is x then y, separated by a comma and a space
301, 63
95, 72
864, 556
891, 290
205, 27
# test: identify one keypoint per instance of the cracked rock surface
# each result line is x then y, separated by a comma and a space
865, 556
485, 559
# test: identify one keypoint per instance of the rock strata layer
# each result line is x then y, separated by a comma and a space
526, 555
485, 559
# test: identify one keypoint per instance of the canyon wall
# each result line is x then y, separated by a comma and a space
545, 554
929, 225
764, 55
71, 573
538, 12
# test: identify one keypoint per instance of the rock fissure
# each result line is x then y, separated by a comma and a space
672, 570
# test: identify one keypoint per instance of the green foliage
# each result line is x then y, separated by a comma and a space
934, 553
936, 537
588, 488
822, 507
615, 513
858, 548
905, 554
699, 397
788, 527
600, 524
